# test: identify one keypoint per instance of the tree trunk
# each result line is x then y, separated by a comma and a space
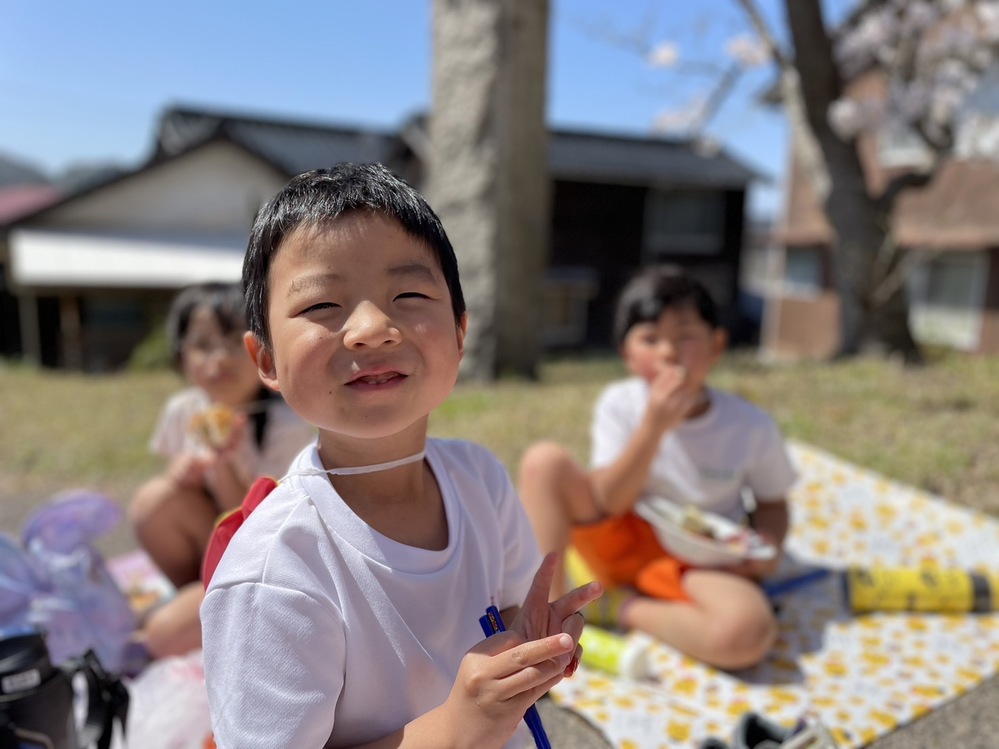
488, 172
861, 224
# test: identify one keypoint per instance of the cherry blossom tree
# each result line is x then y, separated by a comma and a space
933, 54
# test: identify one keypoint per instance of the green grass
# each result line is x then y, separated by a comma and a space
66, 430
936, 427
511, 414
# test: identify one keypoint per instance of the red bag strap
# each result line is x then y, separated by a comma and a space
227, 525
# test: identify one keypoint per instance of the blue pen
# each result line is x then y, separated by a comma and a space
491, 624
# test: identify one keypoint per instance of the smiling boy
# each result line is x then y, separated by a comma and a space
345, 610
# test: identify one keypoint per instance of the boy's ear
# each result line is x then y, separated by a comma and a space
262, 357
720, 341
462, 330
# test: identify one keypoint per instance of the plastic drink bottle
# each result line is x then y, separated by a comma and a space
619, 655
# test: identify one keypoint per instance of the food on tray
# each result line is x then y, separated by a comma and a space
213, 426
693, 520
736, 540
742, 541
701, 537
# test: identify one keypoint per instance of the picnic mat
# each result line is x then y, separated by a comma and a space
861, 675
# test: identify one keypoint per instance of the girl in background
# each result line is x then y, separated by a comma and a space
217, 436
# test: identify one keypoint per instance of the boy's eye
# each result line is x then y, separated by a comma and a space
412, 295
691, 334
319, 306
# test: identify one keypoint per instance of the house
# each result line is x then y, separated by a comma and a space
949, 225
16, 201
93, 273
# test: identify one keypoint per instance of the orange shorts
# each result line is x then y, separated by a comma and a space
624, 551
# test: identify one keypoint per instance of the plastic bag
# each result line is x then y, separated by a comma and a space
56, 580
169, 706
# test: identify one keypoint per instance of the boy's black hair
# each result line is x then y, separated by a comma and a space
319, 197
646, 296
225, 300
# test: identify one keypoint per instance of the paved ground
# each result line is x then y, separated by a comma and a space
970, 722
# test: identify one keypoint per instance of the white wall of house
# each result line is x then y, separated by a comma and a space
115, 259
182, 221
179, 222
214, 188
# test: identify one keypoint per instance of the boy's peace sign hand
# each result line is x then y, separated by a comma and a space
502, 676
538, 618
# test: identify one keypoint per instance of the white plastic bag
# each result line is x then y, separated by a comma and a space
169, 706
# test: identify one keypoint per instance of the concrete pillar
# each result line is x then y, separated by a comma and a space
31, 335
70, 333
488, 171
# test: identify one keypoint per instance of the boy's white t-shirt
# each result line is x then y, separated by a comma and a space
316, 622
706, 461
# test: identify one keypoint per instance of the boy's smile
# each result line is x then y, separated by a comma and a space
365, 344
375, 379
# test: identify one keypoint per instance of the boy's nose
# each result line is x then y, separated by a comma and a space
368, 325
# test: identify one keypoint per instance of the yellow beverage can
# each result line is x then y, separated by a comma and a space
927, 589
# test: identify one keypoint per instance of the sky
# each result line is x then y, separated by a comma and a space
84, 83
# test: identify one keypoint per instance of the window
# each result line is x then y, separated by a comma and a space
568, 291
899, 145
803, 270
977, 125
114, 313
683, 222
946, 294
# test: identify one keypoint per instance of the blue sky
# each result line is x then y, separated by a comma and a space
85, 82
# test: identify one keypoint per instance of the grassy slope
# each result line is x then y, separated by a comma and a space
936, 427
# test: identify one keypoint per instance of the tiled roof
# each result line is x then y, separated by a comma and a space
588, 156
290, 146
643, 161
22, 200
953, 211
295, 147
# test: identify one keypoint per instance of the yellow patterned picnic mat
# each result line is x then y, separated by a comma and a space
861, 675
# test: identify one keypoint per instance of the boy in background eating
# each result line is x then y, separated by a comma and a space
664, 433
